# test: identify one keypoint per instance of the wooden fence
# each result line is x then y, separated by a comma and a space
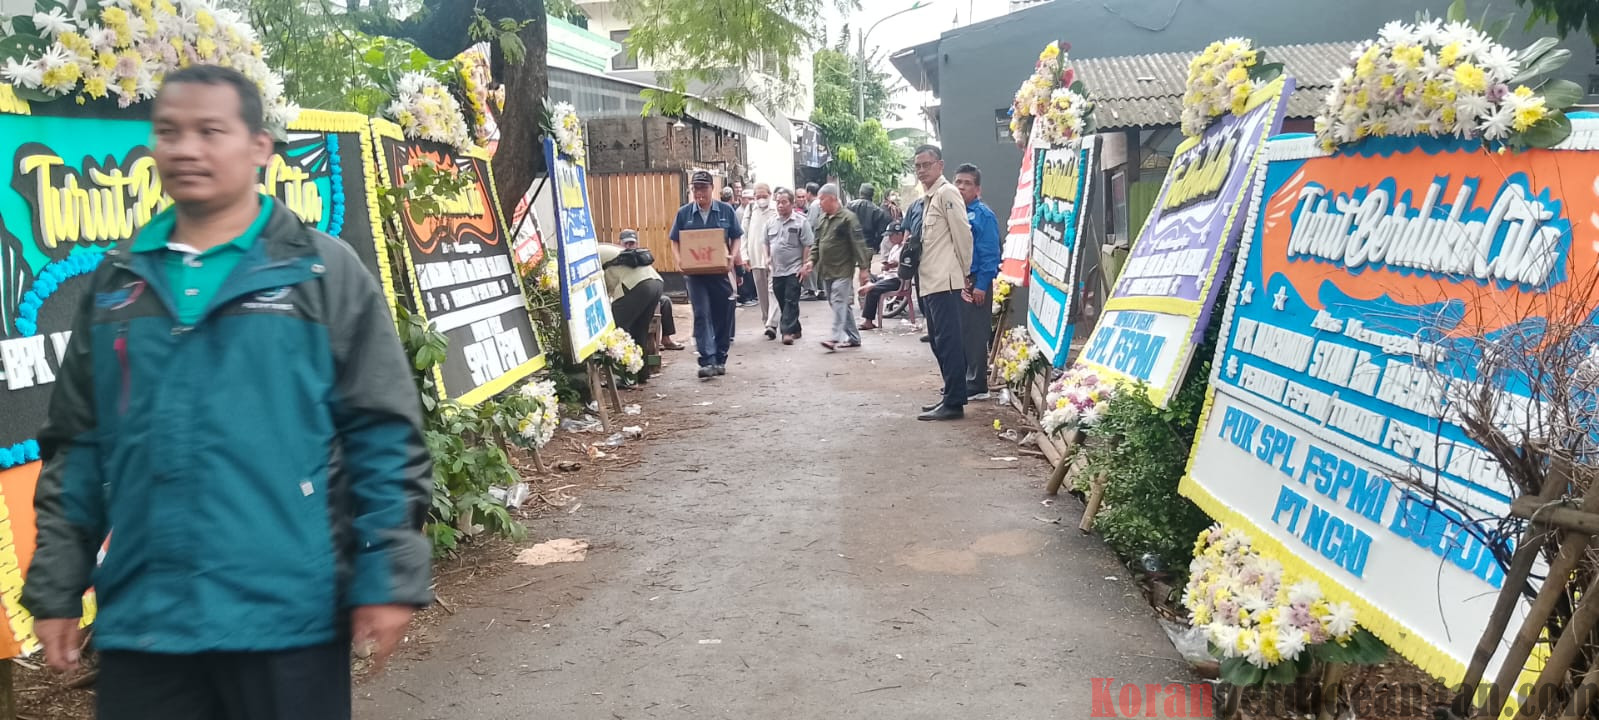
645, 202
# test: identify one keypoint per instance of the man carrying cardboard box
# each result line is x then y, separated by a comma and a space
707, 240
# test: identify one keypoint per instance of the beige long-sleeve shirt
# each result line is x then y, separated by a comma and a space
946, 241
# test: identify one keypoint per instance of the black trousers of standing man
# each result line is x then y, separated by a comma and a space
943, 311
977, 330
296, 684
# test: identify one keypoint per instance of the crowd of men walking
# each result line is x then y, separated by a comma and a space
785, 246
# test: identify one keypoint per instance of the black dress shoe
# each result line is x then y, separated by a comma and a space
934, 406
943, 413
927, 338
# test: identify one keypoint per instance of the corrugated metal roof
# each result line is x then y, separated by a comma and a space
1147, 90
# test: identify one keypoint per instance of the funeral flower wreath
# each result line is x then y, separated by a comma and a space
122, 49
1448, 78
1053, 99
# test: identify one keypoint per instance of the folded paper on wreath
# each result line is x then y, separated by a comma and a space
703, 252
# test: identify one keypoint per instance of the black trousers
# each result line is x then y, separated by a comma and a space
636, 307
786, 288
874, 296
668, 325
977, 330
746, 285
943, 311
305, 684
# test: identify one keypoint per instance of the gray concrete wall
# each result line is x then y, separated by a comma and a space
980, 66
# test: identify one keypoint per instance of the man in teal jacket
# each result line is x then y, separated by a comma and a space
235, 412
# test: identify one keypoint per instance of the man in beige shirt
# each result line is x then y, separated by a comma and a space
941, 275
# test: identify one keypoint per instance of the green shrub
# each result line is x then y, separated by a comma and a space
1142, 450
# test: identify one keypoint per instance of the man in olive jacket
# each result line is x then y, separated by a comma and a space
840, 256
236, 414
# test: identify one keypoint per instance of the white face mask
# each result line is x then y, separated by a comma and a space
762, 203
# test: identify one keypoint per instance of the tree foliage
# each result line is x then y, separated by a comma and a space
862, 150
1567, 15
721, 50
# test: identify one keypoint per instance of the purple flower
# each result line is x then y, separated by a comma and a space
1498, 92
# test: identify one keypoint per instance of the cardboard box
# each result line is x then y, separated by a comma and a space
703, 252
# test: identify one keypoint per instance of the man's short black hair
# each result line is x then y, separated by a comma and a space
250, 106
812, 188
867, 191
970, 169
937, 154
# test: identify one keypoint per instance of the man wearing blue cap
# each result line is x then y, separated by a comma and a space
710, 295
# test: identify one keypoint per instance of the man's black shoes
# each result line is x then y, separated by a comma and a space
943, 413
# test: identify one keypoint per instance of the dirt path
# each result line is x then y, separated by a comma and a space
798, 547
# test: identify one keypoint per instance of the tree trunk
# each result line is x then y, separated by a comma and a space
520, 156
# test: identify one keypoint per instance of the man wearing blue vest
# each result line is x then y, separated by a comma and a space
977, 312
710, 295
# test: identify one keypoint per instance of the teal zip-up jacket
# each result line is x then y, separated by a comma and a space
258, 473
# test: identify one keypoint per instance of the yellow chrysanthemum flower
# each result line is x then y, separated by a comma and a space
1529, 114
1268, 648
1449, 54
95, 87
1471, 77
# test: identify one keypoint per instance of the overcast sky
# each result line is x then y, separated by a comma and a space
912, 28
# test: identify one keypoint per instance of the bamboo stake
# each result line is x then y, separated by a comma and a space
610, 388
1332, 679
1058, 476
1572, 548
1572, 638
1521, 563
595, 390
1582, 698
1096, 494
538, 462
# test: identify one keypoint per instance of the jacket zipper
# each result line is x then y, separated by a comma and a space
121, 347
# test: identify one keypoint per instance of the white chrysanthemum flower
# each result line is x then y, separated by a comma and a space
1251, 599
102, 38
55, 56
1497, 125
1251, 650
1340, 619
1224, 637
54, 23
1398, 32
27, 75
1304, 592
1426, 32
1290, 643
1473, 106
1499, 62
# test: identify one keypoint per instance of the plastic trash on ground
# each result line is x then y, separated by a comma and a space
633, 409
587, 423
615, 440
514, 496
1190, 642
633, 432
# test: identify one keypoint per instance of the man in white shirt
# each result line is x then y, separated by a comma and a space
888, 282
754, 215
